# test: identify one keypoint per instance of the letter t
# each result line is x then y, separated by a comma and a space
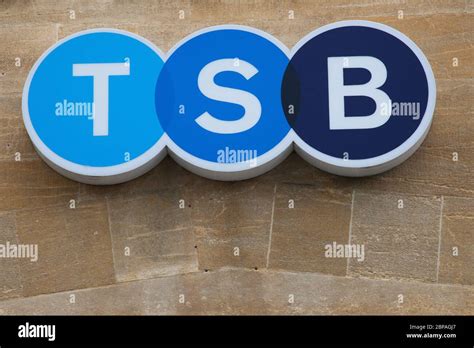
101, 72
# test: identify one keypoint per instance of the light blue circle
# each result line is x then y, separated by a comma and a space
179, 101
133, 127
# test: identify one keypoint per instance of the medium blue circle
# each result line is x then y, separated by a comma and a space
306, 87
177, 90
133, 126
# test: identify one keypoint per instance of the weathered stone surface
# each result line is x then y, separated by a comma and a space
324, 10
306, 219
50, 11
26, 43
231, 215
13, 136
221, 216
157, 232
77, 26
250, 292
315, 294
457, 232
448, 38
167, 175
74, 248
32, 184
10, 285
398, 242
293, 170
168, 10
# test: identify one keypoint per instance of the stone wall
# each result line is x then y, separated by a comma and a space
132, 249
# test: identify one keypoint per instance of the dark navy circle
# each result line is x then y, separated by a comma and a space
305, 86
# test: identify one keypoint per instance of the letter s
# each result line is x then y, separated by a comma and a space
248, 101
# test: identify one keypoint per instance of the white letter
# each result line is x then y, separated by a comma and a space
248, 101
337, 91
328, 252
21, 331
52, 333
101, 72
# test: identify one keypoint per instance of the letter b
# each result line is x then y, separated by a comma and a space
337, 90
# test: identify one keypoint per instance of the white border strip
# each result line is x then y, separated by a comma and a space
237, 171
394, 157
78, 170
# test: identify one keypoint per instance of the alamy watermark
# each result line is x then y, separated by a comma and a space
408, 109
37, 331
69, 108
20, 251
228, 155
354, 251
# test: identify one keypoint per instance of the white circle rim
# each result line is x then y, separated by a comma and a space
75, 168
284, 144
240, 167
419, 133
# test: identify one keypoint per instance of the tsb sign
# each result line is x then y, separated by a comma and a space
229, 102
